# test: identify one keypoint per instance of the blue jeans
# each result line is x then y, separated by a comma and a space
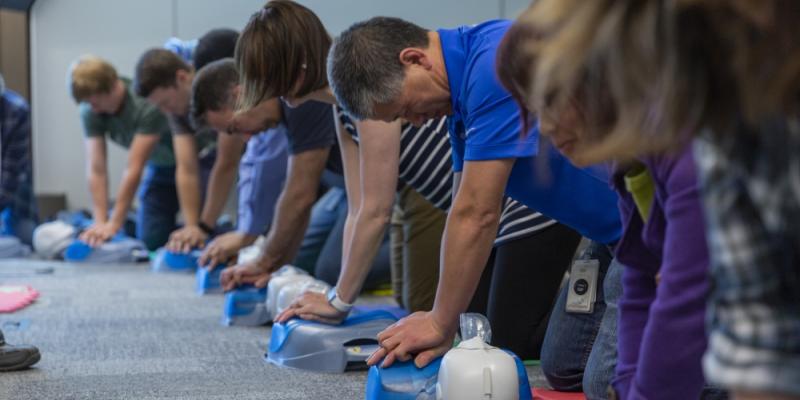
580, 350
158, 206
321, 250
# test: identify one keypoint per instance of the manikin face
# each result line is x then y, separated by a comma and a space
174, 99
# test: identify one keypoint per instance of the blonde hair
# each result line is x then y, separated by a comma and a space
90, 75
669, 68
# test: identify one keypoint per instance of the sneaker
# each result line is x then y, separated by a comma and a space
13, 358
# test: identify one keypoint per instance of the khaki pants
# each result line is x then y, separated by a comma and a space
416, 235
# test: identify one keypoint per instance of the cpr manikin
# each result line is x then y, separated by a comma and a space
471, 370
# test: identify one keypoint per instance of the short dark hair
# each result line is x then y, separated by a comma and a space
212, 89
156, 68
364, 64
215, 45
281, 41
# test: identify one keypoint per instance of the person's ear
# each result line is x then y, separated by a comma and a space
415, 56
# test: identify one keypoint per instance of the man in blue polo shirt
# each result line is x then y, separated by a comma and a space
416, 74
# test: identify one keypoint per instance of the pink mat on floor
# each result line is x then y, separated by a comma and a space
544, 394
15, 297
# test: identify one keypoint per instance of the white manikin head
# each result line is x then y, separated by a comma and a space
477, 371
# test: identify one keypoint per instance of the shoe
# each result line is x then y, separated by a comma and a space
13, 358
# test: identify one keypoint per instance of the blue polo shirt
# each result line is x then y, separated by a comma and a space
485, 125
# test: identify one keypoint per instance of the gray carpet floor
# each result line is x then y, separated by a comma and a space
122, 332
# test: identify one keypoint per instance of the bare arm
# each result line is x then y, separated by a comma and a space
468, 238
294, 208
469, 235
187, 178
223, 175
370, 197
379, 153
139, 152
97, 175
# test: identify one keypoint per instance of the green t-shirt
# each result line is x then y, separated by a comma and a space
136, 117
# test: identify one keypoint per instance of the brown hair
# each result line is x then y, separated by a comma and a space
671, 67
90, 75
213, 89
155, 69
517, 60
281, 41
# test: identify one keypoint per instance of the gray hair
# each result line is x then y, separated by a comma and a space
2, 84
364, 67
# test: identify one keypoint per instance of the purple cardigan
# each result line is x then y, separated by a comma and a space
661, 335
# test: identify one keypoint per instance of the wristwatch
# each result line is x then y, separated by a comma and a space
337, 303
205, 228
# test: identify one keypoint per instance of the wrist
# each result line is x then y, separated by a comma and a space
208, 230
447, 323
336, 302
115, 222
266, 263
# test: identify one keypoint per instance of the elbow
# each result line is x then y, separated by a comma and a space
477, 217
226, 164
186, 169
304, 199
374, 214
134, 171
95, 173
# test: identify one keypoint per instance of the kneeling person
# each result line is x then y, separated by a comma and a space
110, 109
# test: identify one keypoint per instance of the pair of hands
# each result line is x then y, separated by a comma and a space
185, 239
223, 248
99, 233
419, 336
418, 333
312, 306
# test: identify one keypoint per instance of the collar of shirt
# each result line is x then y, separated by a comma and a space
455, 59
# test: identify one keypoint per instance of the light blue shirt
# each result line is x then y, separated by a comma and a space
262, 173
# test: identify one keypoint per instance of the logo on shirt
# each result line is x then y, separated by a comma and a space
470, 130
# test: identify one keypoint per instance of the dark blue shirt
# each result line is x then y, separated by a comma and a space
16, 163
485, 125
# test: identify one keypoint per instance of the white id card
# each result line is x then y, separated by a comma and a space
582, 286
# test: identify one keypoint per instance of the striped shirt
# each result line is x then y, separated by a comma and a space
426, 166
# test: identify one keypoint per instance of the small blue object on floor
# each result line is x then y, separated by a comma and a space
207, 282
167, 261
246, 306
403, 381
118, 249
328, 348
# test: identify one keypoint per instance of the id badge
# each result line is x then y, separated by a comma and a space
582, 286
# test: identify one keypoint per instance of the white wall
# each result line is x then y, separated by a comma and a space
119, 31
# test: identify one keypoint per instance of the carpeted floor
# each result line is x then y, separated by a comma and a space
122, 332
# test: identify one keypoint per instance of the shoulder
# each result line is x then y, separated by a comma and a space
15, 102
481, 84
674, 172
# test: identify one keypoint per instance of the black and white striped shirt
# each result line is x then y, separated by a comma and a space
426, 166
